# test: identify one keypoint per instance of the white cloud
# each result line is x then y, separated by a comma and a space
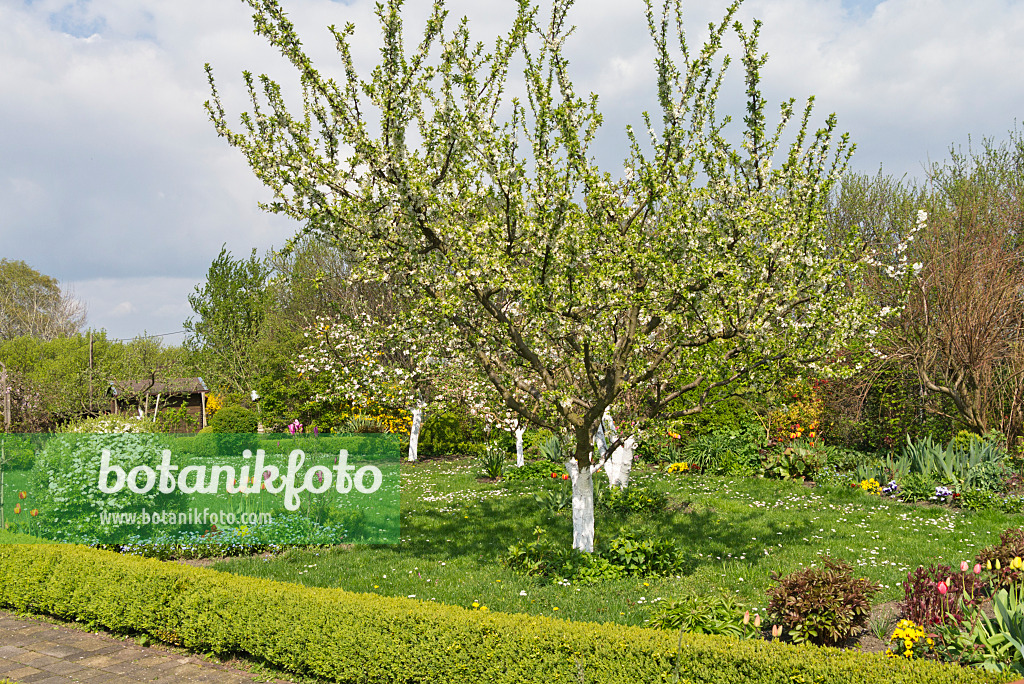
109, 168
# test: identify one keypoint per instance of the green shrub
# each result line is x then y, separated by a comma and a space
532, 470
335, 635
623, 556
916, 487
450, 433
632, 499
235, 430
234, 420
713, 614
64, 481
823, 605
19, 452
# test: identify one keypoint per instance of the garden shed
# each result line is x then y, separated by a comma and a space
150, 397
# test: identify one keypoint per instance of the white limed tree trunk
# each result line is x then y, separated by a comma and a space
520, 460
414, 432
619, 463
582, 506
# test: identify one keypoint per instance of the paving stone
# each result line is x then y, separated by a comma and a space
36, 652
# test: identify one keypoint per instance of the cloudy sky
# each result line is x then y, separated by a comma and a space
113, 180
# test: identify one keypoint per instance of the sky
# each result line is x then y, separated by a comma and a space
113, 180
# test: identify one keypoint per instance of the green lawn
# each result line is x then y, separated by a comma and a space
736, 532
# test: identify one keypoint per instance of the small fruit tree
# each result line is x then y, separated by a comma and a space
696, 264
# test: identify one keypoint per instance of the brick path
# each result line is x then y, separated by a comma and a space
33, 651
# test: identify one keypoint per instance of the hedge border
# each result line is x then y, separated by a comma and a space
349, 637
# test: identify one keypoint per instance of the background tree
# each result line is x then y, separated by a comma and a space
225, 334
703, 265
33, 304
962, 327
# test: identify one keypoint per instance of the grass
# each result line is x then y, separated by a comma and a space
736, 532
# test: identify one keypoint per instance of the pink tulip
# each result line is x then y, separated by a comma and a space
963, 566
977, 568
943, 588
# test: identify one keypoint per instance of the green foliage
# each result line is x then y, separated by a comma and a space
635, 498
726, 451
18, 452
492, 461
625, 555
979, 500
823, 605
998, 559
554, 501
234, 428
234, 419
33, 305
995, 644
719, 614
450, 433
916, 487
65, 475
533, 470
362, 425
553, 450
797, 460
225, 332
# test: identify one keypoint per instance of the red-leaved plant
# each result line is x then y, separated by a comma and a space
932, 595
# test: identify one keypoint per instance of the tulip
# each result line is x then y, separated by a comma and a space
943, 588
17, 508
565, 477
757, 621
977, 568
22, 495
34, 512
746, 617
964, 566
1016, 563
554, 476
776, 631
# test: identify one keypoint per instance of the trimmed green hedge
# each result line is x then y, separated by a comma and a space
350, 637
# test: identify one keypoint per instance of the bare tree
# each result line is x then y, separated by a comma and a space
33, 304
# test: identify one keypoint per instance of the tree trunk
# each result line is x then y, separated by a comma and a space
582, 506
520, 460
414, 433
619, 463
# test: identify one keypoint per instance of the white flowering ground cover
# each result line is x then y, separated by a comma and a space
736, 532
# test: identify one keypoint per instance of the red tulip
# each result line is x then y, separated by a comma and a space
554, 476
35, 512
943, 588
565, 477
977, 568
964, 566
17, 508
22, 495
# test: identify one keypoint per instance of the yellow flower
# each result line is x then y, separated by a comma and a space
476, 604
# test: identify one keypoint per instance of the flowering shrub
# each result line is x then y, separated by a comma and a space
109, 424
821, 605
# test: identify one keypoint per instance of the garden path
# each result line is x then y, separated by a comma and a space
34, 651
